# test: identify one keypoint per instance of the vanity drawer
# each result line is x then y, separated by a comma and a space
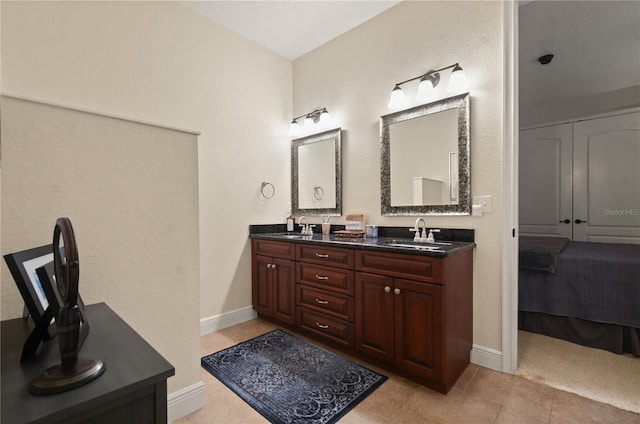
338, 305
277, 249
329, 278
333, 256
336, 330
413, 267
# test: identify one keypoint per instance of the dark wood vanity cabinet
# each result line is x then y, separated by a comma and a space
325, 292
412, 313
273, 280
400, 322
416, 313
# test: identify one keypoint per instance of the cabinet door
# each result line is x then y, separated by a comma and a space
419, 322
262, 290
606, 197
284, 301
545, 184
374, 315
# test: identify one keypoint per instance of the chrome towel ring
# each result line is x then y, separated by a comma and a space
267, 190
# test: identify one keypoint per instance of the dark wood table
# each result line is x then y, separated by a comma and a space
133, 389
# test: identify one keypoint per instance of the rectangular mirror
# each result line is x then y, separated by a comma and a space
425, 159
316, 174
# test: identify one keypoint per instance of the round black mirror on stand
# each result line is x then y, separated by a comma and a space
73, 372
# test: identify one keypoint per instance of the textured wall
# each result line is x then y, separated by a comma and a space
353, 76
558, 110
131, 193
162, 62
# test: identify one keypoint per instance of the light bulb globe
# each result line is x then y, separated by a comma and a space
325, 118
308, 123
294, 128
426, 90
397, 99
458, 80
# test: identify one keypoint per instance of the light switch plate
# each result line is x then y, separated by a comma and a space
485, 201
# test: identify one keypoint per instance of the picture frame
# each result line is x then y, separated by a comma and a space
23, 266
46, 274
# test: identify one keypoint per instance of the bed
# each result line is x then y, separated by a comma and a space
586, 293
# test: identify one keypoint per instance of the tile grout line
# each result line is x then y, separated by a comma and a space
553, 401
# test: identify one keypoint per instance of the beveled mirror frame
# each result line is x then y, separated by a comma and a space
334, 134
459, 102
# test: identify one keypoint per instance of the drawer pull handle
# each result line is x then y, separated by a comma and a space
322, 302
322, 255
321, 277
323, 326
387, 289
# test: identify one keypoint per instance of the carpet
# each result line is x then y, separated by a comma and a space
288, 380
592, 373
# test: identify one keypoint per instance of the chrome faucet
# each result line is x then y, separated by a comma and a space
416, 229
307, 229
304, 227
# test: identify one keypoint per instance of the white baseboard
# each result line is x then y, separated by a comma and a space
227, 319
185, 401
486, 357
190, 399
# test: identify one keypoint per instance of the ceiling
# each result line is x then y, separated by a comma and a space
596, 43
596, 46
290, 28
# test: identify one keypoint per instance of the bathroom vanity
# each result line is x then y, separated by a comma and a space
404, 306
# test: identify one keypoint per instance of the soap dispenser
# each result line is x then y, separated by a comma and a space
291, 221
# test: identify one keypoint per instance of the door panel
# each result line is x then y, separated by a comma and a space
284, 287
418, 328
545, 181
374, 315
607, 179
262, 286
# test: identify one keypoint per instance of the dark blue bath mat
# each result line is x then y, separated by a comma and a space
288, 380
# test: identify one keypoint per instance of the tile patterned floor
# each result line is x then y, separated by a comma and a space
480, 396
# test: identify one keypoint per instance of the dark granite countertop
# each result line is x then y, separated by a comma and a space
439, 249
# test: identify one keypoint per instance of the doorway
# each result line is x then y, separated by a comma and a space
561, 111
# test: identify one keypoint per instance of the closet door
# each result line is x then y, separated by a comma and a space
545, 181
606, 203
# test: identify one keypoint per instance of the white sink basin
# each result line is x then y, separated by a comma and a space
418, 247
420, 243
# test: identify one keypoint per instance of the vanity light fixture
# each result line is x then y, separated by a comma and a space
319, 118
426, 89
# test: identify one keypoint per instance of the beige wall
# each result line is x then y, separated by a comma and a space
353, 76
131, 192
162, 62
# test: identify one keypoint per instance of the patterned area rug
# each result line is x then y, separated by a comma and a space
288, 380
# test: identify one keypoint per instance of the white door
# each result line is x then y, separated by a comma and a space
545, 184
606, 186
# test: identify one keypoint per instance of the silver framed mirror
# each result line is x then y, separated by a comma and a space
425, 166
316, 174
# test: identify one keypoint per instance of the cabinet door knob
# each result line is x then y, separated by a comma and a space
566, 221
322, 302
323, 326
321, 277
396, 291
268, 266
322, 255
387, 289
273, 266
578, 221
